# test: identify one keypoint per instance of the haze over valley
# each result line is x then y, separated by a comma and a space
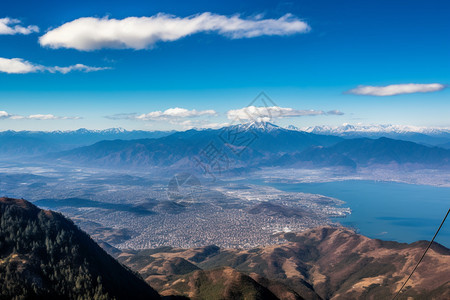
135, 193
224, 150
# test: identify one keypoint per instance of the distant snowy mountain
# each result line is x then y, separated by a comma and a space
292, 127
259, 126
247, 144
424, 135
115, 130
381, 128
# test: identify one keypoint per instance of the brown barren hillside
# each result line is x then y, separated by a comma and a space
44, 255
323, 263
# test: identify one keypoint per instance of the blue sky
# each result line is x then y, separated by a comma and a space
379, 46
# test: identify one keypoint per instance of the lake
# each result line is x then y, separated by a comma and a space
387, 210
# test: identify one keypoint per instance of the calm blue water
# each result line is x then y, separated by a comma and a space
387, 210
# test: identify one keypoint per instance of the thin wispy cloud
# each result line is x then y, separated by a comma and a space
169, 114
143, 32
122, 116
10, 26
200, 124
396, 89
50, 117
6, 115
335, 112
21, 66
76, 67
274, 112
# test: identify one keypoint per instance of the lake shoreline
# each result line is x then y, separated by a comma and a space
384, 210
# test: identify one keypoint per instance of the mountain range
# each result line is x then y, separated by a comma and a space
255, 145
30, 143
322, 263
363, 152
423, 135
43, 255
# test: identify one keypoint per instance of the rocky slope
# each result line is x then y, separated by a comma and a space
43, 255
323, 263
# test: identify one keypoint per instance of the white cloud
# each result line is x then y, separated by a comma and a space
396, 89
173, 114
77, 67
273, 112
122, 116
21, 66
200, 124
50, 117
335, 112
17, 66
143, 32
5, 115
10, 26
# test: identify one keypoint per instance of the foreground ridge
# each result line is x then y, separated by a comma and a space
43, 255
322, 263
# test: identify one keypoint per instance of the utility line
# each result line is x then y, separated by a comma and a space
423, 255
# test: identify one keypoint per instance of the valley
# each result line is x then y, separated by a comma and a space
232, 215
321, 263
224, 150
149, 204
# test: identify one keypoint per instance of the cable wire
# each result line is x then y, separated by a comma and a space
423, 255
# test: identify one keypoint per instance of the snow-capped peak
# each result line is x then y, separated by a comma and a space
114, 130
292, 127
260, 125
90, 131
377, 128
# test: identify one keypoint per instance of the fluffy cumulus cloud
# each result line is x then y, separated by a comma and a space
12, 26
273, 112
21, 66
6, 115
396, 89
17, 66
143, 32
173, 114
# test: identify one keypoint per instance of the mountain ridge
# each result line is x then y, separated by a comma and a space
321, 263
435, 136
43, 255
258, 145
28, 143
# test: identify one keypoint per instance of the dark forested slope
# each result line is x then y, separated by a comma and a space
43, 255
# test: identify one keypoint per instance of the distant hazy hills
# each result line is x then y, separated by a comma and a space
256, 145
237, 147
232, 145
29, 143
45, 256
369, 152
